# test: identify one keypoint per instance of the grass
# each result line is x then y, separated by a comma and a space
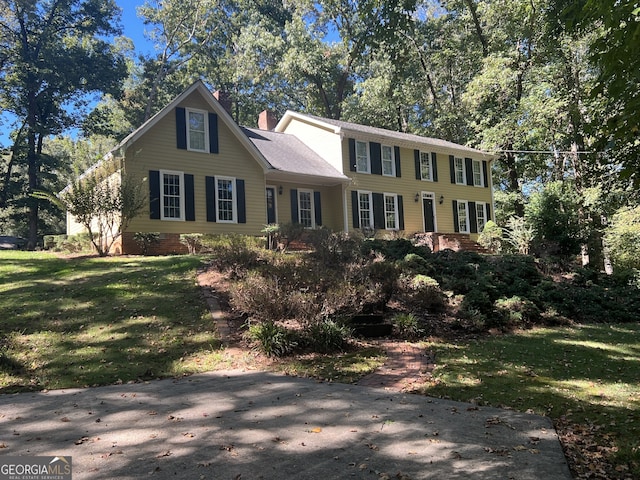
94, 321
586, 378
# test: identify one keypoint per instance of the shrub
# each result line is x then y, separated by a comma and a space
331, 248
326, 336
145, 240
406, 325
491, 237
623, 238
272, 339
421, 292
519, 234
516, 311
260, 298
235, 254
193, 242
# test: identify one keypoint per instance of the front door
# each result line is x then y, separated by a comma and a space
271, 205
429, 217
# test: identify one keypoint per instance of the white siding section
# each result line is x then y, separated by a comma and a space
324, 142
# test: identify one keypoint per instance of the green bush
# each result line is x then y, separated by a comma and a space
327, 336
234, 254
491, 237
407, 326
260, 298
421, 293
623, 238
516, 311
272, 339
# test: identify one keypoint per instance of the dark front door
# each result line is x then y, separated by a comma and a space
429, 223
271, 205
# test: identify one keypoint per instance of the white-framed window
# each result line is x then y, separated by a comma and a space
171, 195
363, 164
388, 161
481, 216
365, 209
306, 208
391, 211
426, 167
226, 210
197, 130
463, 216
461, 177
477, 174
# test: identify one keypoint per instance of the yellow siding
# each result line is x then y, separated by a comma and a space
408, 186
330, 197
321, 140
157, 150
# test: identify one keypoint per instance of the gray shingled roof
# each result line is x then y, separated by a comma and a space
400, 136
288, 154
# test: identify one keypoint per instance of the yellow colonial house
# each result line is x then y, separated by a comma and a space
207, 174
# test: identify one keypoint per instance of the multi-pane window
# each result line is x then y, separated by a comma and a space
305, 208
365, 209
172, 194
459, 171
481, 218
477, 173
426, 172
362, 158
388, 162
225, 199
463, 220
197, 130
390, 212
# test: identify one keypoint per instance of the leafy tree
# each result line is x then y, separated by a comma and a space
103, 201
623, 238
52, 55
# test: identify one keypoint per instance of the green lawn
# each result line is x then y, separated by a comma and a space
587, 378
94, 321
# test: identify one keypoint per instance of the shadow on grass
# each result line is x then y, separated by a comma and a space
91, 321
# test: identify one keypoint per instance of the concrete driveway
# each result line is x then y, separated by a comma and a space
257, 425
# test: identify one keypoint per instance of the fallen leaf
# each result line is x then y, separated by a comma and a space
315, 430
81, 440
164, 454
65, 419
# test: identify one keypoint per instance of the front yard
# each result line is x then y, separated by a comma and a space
72, 322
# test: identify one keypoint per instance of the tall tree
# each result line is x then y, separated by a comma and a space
53, 54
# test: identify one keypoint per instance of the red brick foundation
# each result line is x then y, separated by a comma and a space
169, 244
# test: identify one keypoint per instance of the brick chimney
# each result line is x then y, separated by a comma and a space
267, 120
224, 99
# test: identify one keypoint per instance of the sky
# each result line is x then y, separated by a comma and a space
132, 28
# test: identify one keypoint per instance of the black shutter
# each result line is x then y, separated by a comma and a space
294, 206
396, 155
378, 211
485, 172
154, 194
210, 188
355, 209
416, 159
468, 163
452, 168
434, 166
181, 128
488, 212
352, 155
473, 218
317, 206
456, 225
400, 213
214, 147
189, 199
375, 150
241, 201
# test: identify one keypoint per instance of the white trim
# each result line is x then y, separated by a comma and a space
484, 215
366, 148
312, 208
464, 170
371, 212
234, 199
430, 161
479, 163
466, 209
432, 196
393, 160
205, 116
181, 195
395, 208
